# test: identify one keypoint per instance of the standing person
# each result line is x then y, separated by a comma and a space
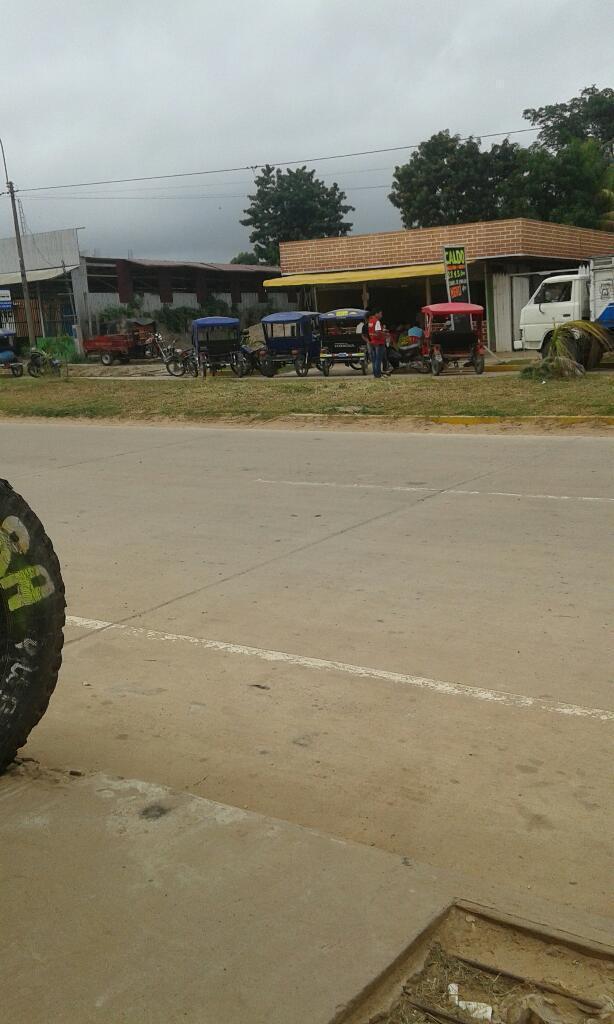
377, 342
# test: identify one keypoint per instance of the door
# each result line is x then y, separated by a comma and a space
502, 308
551, 305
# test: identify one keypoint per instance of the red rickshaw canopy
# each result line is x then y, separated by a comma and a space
449, 308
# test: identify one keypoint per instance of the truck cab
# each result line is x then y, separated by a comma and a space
558, 298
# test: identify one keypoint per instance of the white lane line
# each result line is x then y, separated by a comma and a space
512, 700
431, 490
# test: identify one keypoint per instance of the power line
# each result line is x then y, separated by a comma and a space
255, 167
88, 195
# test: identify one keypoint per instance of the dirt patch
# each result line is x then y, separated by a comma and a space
476, 968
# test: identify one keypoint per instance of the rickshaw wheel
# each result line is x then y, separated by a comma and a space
436, 366
239, 366
302, 367
325, 367
267, 366
17, 370
478, 364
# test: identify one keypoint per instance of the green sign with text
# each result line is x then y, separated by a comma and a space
457, 277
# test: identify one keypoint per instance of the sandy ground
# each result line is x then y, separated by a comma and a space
406, 634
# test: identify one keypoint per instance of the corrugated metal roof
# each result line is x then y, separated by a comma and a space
242, 268
35, 275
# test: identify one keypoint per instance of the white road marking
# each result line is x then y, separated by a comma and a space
431, 490
513, 700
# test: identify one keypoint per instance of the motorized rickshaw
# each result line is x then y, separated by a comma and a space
217, 343
8, 357
292, 337
132, 338
341, 339
453, 332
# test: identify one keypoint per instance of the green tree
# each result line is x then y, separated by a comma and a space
246, 258
450, 181
291, 205
567, 186
566, 176
587, 116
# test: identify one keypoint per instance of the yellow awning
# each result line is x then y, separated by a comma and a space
356, 276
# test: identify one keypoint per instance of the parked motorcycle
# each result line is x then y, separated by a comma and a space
40, 364
179, 362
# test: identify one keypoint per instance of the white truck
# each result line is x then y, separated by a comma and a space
583, 294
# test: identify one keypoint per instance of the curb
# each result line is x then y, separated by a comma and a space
562, 421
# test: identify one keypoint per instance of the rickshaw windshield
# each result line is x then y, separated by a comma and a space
205, 334
283, 330
457, 323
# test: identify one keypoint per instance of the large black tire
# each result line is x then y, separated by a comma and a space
31, 621
107, 358
545, 349
267, 366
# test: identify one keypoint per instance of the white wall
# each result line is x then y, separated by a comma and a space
520, 296
502, 311
41, 250
100, 300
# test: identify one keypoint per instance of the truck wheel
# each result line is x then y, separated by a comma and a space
546, 343
106, 358
31, 621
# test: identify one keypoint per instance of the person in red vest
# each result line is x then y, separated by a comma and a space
377, 342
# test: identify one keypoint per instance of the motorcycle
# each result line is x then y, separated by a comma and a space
40, 364
178, 363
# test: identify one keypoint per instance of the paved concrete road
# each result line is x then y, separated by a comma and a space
406, 634
156, 907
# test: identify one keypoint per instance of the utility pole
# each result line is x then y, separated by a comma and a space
22, 266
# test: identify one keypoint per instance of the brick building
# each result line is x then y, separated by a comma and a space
400, 271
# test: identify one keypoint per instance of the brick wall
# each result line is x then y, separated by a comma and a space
424, 245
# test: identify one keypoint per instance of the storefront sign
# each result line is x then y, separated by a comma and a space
6, 303
457, 277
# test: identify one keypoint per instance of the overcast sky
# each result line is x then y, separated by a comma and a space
127, 88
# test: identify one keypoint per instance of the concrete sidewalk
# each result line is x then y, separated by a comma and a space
130, 903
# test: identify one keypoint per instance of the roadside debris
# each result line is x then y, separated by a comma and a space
479, 1011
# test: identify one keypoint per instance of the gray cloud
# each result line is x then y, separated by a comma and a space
145, 86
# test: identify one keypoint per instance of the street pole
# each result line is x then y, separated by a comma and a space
22, 266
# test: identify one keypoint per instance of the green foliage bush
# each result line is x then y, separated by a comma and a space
62, 347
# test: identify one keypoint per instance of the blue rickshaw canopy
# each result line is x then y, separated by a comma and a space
216, 321
291, 317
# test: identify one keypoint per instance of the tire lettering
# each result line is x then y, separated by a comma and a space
18, 534
32, 583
